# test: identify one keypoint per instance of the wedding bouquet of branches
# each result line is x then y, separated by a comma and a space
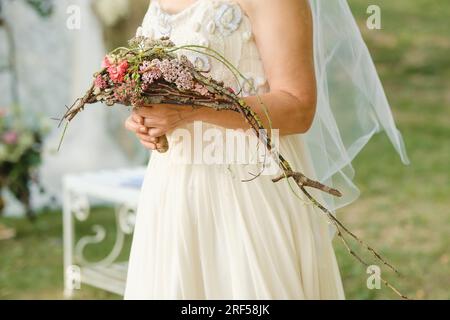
151, 72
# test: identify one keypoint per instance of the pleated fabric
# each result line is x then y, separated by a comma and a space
203, 233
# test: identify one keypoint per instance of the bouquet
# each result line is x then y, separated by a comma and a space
20, 155
149, 72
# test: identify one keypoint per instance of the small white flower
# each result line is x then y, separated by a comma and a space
228, 18
197, 26
248, 86
252, 84
247, 35
200, 61
164, 26
211, 27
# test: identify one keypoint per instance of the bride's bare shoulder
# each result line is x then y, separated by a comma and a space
252, 7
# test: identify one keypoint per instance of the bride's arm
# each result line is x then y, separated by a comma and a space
283, 32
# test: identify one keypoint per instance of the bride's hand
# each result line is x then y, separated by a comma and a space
135, 124
160, 119
151, 122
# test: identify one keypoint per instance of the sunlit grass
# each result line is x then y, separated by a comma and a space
405, 211
31, 265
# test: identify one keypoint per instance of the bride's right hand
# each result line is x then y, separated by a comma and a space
135, 124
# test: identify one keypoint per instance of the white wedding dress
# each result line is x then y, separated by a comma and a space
202, 233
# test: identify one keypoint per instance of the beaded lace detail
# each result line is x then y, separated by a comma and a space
221, 25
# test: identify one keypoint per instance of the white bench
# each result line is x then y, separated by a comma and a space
117, 187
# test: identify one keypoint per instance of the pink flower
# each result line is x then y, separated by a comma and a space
201, 89
117, 72
100, 82
127, 92
150, 72
185, 81
106, 63
123, 66
170, 69
10, 137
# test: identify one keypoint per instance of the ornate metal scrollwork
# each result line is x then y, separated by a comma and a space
79, 206
125, 219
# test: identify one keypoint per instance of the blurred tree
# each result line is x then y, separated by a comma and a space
16, 175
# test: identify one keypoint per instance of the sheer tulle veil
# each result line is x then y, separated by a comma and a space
351, 105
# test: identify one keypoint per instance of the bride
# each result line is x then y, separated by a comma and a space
203, 233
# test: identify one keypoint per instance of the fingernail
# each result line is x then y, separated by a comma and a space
143, 129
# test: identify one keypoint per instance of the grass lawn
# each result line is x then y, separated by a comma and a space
31, 264
403, 211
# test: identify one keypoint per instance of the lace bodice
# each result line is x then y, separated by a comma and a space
221, 25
